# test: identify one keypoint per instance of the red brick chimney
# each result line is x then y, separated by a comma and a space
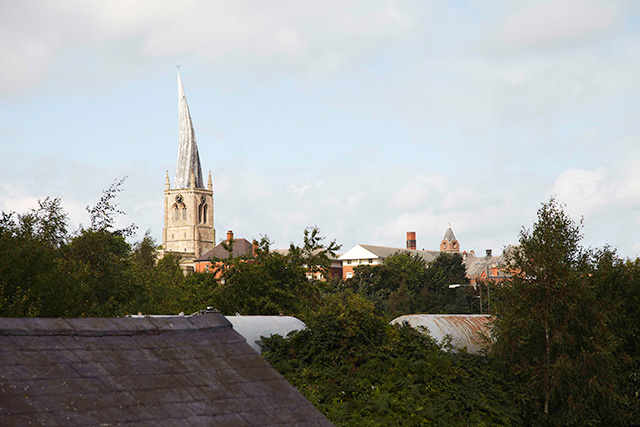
411, 240
229, 236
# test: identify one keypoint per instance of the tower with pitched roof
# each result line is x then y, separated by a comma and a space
188, 206
449, 242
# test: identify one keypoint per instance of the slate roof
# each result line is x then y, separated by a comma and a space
448, 235
141, 371
241, 247
384, 252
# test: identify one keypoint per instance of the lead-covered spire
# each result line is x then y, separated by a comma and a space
188, 157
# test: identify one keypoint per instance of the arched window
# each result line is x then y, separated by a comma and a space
176, 212
202, 213
184, 212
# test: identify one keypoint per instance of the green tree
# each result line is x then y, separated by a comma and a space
551, 329
272, 282
436, 296
361, 371
30, 246
404, 284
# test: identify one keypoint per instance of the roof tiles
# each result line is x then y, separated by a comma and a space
146, 371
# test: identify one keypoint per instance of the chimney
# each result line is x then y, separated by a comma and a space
411, 240
229, 236
488, 252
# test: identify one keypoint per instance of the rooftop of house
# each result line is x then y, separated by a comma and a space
370, 251
241, 247
192, 370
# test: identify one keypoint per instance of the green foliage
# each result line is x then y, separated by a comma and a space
405, 284
553, 327
359, 370
275, 283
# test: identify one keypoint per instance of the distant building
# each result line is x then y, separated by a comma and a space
482, 268
449, 242
210, 262
188, 206
194, 370
375, 255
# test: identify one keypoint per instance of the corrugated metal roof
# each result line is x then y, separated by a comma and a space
253, 327
466, 330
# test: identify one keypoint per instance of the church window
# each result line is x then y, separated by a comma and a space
176, 213
202, 213
184, 212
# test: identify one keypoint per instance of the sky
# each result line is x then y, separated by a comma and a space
366, 119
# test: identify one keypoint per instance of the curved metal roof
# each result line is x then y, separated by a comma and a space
466, 330
253, 327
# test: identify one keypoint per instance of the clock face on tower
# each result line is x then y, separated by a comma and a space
179, 198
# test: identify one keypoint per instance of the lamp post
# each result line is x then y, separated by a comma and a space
457, 285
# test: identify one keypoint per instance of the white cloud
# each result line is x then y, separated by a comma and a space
584, 191
554, 24
289, 36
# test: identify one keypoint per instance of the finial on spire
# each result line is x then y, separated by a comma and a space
178, 65
210, 183
167, 183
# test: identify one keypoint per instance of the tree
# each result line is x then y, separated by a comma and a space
274, 283
359, 370
436, 296
404, 283
551, 329
29, 257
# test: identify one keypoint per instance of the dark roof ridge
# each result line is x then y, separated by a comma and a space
117, 326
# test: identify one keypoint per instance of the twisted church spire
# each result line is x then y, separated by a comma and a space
188, 156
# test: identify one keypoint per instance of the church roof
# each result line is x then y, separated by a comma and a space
194, 370
188, 156
449, 236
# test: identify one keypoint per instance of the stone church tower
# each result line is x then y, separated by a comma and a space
449, 243
188, 206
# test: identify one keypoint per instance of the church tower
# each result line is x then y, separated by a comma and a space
449, 243
188, 206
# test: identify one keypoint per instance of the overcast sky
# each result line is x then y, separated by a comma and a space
366, 118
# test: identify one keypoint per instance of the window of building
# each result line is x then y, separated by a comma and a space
349, 275
202, 213
184, 212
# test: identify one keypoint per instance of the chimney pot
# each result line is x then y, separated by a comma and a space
229, 236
